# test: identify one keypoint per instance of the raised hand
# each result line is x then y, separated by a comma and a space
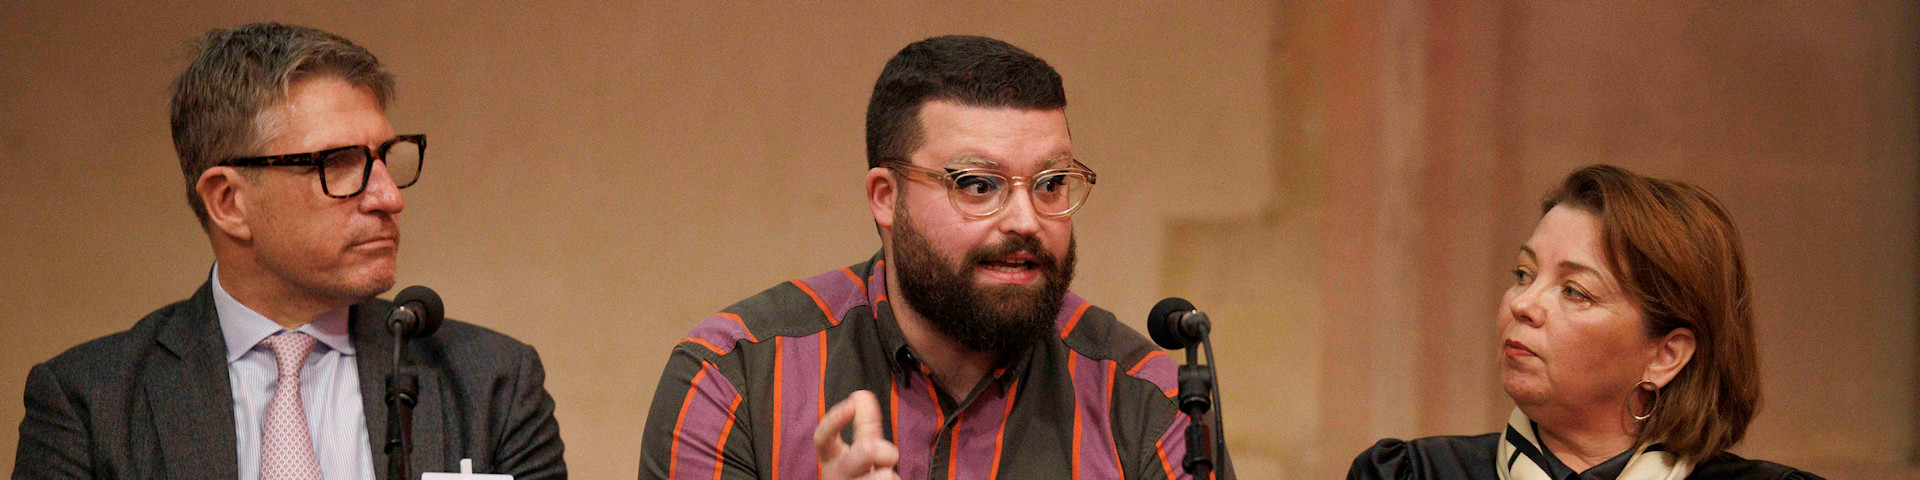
870, 457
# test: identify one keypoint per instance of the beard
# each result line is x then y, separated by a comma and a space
997, 319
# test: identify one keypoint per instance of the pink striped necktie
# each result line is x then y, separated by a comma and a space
286, 449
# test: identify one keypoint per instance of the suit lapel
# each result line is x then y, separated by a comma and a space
375, 359
190, 396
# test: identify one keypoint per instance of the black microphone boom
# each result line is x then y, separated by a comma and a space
1174, 324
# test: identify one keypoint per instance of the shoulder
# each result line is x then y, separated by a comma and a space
795, 308
1729, 466
1440, 457
456, 344
465, 338
116, 352
1095, 334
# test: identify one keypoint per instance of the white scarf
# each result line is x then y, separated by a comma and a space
1520, 445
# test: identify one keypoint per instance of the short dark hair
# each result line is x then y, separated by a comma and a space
236, 73
970, 70
1676, 251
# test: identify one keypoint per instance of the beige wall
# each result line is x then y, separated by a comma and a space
1339, 184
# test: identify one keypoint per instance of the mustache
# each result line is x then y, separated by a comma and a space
1028, 244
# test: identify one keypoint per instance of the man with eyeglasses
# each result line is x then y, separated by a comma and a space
956, 351
273, 369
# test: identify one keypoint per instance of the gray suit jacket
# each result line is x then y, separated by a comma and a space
155, 402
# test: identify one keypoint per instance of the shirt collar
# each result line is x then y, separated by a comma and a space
244, 328
1607, 470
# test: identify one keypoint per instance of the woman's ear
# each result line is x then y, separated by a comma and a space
221, 191
1670, 354
881, 193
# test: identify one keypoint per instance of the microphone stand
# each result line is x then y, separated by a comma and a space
1199, 393
403, 392
1196, 398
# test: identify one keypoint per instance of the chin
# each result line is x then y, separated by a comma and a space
1524, 391
369, 284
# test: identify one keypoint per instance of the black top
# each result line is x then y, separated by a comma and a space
1464, 457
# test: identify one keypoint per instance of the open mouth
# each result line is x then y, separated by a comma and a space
1017, 269
1010, 264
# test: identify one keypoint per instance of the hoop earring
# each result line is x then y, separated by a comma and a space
1652, 406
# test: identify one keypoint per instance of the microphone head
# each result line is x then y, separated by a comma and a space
431, 311
1159, 324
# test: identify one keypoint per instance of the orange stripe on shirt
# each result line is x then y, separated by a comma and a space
673, 452
1160, 449
935, 396
720, 452
743, 325
1111, 367
953, 445
821, 407
1075, 320
703, 342
893, 406
777, 387
1143, 361
818, 302
1075, 445
999, 438
856, 280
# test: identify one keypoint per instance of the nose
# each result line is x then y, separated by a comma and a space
1018, 215
1525, 305
381, 195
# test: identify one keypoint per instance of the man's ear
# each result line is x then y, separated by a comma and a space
1670, 355
881, 193
222, 190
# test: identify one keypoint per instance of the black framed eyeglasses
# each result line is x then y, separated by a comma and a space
344, 170
982, 192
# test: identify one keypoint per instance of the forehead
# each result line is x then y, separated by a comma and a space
1013, 139
323, 112
1567, 234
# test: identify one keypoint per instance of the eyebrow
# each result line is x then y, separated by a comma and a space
1566, 264
972, 161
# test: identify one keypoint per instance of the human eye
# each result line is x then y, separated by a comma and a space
1573, 292
1050, 183
344, 160
977, 184
1521, 276
343, 167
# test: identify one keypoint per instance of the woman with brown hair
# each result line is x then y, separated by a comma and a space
1627, 346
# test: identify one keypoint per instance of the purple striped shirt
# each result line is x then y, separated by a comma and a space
743, 391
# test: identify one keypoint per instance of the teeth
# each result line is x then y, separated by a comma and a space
1006, 266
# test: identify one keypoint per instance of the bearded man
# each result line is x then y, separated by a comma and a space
956, 351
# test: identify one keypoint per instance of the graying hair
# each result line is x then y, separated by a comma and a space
237, 73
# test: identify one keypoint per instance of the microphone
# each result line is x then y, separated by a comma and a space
418, 314
1175, 324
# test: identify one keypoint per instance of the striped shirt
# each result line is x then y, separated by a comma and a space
742, 393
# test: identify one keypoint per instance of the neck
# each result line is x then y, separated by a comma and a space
956, 368
1582, 441
261, 291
